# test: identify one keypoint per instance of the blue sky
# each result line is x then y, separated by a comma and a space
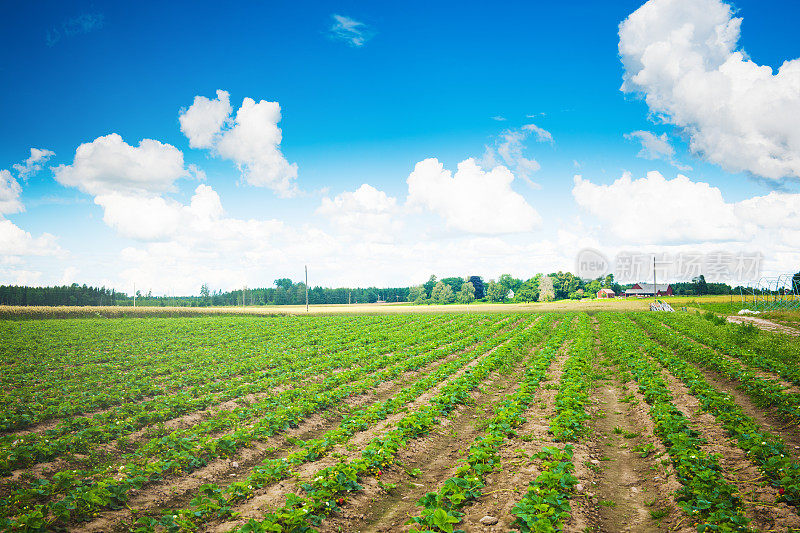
413, 82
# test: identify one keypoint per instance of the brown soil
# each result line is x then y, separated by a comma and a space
764, 324
437, 455
506, 487
627, 487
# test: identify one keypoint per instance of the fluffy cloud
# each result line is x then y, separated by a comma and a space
251, 139
681, 55
9, 194
15, 241
109, 165
471, 200
349, 30
34, 163
775, 210
655, 210
204, 120
365, 211
158, 218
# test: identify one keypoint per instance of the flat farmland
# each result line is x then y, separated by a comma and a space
480, 421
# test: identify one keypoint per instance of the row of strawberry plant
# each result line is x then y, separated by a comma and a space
710, 501
734, 341
764, 391
576, 382
325, 490
213, 502
84, 436
79, 375
545, 505
83, 375
181, 452
440, 510
766, 450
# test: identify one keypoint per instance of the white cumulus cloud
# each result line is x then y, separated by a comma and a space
9, 194
251, 139
157, 218
657, 210
471, 200
204, 120
365, 211
109, 165
14, 241
509, 148
32, 165
682, 56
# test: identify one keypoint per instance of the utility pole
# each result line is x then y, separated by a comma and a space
655, 290
306, 288
134, 294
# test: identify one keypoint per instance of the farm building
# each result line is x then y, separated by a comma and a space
606, 293
646, 289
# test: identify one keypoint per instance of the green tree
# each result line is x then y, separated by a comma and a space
429, 285
702, 286
510, 282
284, 283
496, 292
416, 294
592, 287
466, 294
564, 283
442, 294
528, 291
455, 283
546, 290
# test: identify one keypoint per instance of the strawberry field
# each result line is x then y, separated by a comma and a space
612, 421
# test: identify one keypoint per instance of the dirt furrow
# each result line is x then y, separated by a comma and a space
506, 487
437, 456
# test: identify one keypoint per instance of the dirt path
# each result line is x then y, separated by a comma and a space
764, 324
630, 491
624, 484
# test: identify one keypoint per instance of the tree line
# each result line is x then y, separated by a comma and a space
555, 286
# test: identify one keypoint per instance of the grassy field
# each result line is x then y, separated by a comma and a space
403, 421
